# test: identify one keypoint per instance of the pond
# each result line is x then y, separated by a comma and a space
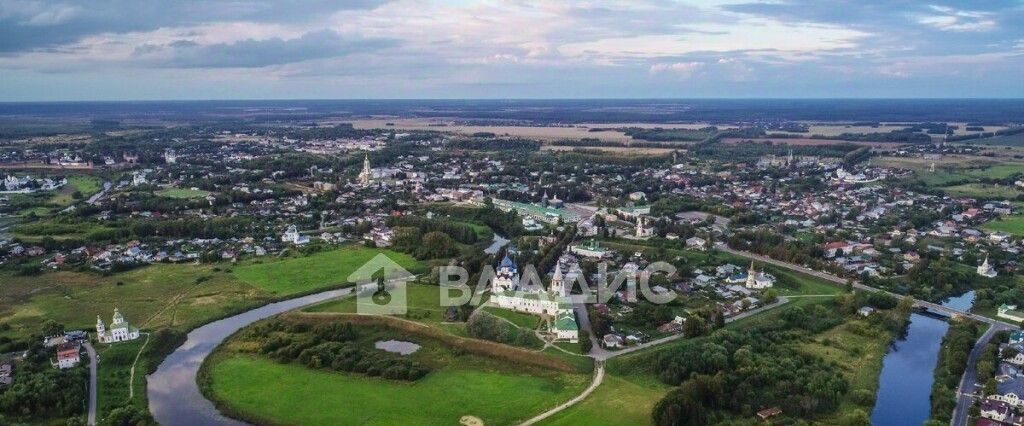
905, 384
397, 346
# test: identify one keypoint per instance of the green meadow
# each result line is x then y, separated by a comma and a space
320, 270
183, 193
620, 400
460, 383
114, 376
982, 190
1013, 224
157, 296
293, 394
423, 304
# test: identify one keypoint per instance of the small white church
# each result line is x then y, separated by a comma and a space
119, 331
986, 270
507, 292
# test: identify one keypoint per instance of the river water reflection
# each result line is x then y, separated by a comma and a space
905, 383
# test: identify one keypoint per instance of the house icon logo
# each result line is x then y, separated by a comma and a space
381, 287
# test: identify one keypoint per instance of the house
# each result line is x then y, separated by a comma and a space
1010, 312
696, 243
612, 341
995, 410
292, 236
1010, 391
768, 413
5, 374
1016, 337
565, 327
68, 355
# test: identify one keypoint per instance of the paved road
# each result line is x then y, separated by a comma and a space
92, 382
598, 378
839, 280
969, 382
605, 354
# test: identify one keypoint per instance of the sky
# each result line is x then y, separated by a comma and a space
257, 49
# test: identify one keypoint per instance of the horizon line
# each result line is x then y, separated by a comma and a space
1017, 98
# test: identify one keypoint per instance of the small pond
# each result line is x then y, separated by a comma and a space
397, 346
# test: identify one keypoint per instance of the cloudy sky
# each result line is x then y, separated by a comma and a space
256, 49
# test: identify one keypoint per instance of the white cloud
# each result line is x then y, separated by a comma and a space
949, 19
682, 69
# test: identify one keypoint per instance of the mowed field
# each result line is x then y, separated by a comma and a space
316, 271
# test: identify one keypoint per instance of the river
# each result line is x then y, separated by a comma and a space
174, 397
905, 384
497, 244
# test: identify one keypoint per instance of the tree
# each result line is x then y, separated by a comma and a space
585, 344
693, 326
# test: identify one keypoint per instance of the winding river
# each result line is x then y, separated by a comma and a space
908, 370
174, 396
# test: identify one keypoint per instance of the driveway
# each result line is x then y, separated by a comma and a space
92, 382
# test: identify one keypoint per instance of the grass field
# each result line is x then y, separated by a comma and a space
113, 374
1013, 224
858, 349
520, 319
184, 193
982, 190
422, 301
293, 394
1011, 140
162, 295
87, 185
620, 400
320, 270
953, 168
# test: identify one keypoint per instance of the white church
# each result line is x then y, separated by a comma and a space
507, 292
119, 331
986, 270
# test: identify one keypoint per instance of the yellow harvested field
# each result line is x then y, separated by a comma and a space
440, 125
615, 149
784, 141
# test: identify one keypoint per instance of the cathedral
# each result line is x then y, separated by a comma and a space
366, 176
119, 331
507, 292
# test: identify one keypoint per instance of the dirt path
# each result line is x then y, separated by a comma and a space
598, 378
131, 375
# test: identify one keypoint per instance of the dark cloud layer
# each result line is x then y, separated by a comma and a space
260, 53
31, 25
